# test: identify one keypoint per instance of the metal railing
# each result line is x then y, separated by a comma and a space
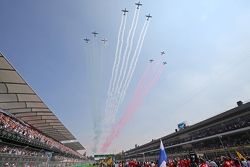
35, 161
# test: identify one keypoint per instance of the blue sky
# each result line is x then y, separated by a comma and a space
208, 57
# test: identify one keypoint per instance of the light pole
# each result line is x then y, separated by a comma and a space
144, 159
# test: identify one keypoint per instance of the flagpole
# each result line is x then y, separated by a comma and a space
225, 149
163, 156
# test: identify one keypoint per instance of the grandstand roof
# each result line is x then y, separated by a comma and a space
18, 98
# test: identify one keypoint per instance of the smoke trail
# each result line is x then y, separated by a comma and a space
135, 59
125, 59
115, 61
134, 104
115, 66
91, 67
95, 87
126, 56
111, 101
113, 93
117, 101
101, 61
115, 69
119, 56
132, 64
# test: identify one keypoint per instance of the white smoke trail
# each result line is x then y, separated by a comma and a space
115, 61
119, 56
90, 52
109, 93
130, 73
112, 98
134, 60
98, 78
125, 57
131, 43
95, 87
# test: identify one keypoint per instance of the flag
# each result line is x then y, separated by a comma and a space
240, 156
109, 162
162, 157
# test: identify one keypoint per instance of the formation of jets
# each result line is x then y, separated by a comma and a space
124, 11
162, 53
148, 16
138, 4
104, 40
151, 60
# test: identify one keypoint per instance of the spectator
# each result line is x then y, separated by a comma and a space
15, 126
248, 161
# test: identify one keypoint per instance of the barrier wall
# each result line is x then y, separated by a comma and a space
28, 161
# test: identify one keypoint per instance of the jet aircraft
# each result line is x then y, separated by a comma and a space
86, 40
124, 11
104, 40
148, 16
138, 4
94, 33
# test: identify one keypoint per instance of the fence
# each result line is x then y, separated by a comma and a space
35, 161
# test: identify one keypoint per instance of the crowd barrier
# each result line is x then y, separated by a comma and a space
9, 160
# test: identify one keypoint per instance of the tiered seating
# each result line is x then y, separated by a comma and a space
13, 129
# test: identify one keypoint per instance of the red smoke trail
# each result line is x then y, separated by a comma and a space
115, 131
143, 87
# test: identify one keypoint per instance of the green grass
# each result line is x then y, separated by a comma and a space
85, 165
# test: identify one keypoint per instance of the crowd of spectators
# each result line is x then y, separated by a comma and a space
240, 139
22, 129
233, 124
230, 125
223, 142
187, 162
217, 162
16, 156
22, 151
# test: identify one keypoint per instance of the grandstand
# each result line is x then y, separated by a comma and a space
30, 133
222, 134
